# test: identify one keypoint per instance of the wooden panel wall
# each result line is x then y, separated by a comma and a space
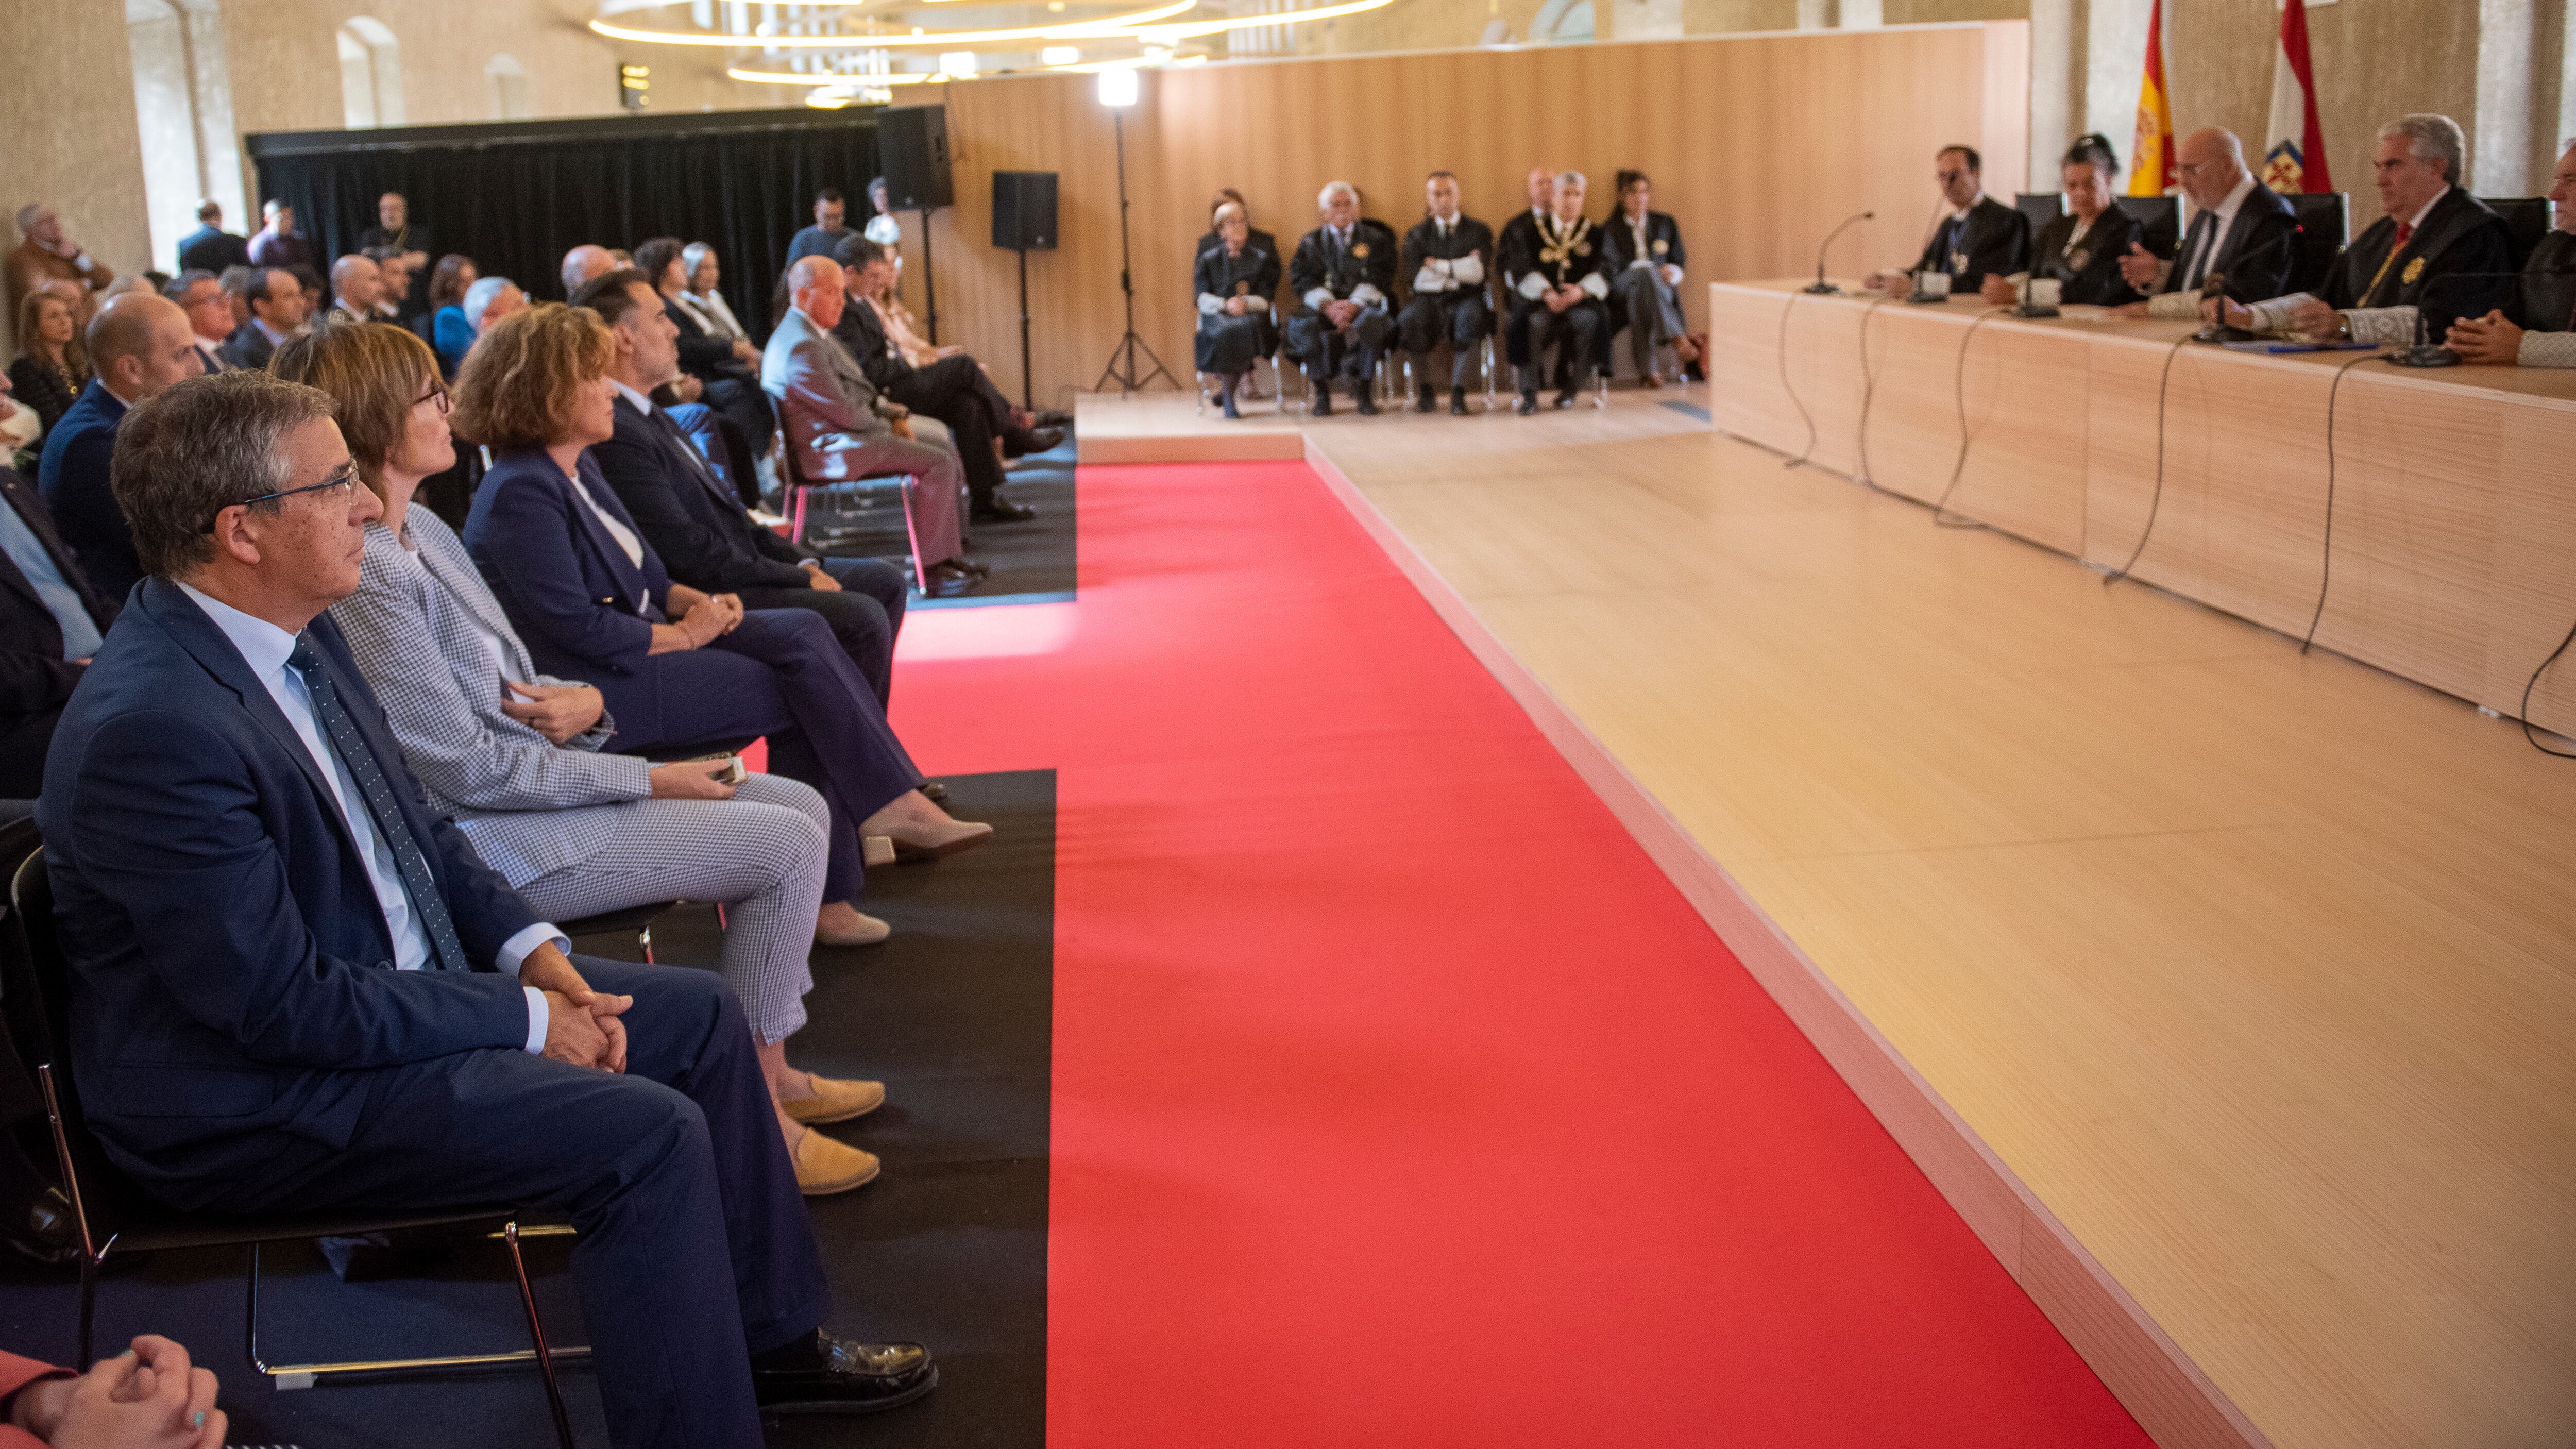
1758, 144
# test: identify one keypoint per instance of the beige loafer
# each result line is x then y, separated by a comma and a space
834, 1100
825, 1166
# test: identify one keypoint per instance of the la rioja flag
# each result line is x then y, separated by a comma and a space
2294, 149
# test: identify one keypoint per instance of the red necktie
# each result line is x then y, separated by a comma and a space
2405, 229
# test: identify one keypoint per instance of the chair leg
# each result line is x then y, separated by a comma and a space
796, 526
644, 943
88, 1312
537, 1336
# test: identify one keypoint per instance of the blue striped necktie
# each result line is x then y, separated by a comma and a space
378, 792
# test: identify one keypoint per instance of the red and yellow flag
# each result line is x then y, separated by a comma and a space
2152, 171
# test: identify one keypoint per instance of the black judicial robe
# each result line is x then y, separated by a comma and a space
1524, 251
1252, 272
1370, 259
1663, 241
2460, 238
1467, 237
2546, 299
2089, 270
1992, 238
2254, 257
1253, 236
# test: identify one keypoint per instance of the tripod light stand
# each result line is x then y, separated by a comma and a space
1118, 92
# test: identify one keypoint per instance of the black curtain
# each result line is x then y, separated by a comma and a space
516, 197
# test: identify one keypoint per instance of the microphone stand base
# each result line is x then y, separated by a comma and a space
1926, 299
1822, 288
2027, 310
2212, 336
2423, 356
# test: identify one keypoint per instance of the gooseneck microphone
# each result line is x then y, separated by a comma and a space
1823, 288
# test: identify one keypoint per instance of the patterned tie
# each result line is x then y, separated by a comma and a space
343, 734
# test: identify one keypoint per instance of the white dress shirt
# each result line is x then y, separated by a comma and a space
265, 647
1439, 275
626, 537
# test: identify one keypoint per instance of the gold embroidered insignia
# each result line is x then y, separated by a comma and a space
1243, 289
1583, 249
2078, 259
2414, 270
1662, 246
1360, 250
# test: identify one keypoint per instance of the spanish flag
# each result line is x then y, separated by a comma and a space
2152, 171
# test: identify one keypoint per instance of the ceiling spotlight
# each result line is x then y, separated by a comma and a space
958, 63
1060, 55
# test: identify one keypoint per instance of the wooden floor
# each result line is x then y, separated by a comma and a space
2259, 970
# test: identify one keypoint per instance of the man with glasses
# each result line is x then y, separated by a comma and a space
1977, 235
2243, 234
139, 344
294, 984
2438, 255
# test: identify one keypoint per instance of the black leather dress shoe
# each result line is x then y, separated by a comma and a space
1003, 510
1322, 405
834, 1375
934, 792
1457, 402
1053, 418
1021, 442
42, 1231
1528, 404
1565, 399
1368, 399
973, 567
1426, 399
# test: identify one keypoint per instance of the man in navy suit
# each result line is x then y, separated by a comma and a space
293, 986
695, 523
139, 344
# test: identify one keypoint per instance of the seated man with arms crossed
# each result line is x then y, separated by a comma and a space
293, 985
2438, 255
1447, 253
2546, 334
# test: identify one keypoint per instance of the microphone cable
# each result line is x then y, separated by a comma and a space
1868, 391
2534, 683
1794, 401
1959, 392
2325, 572
2156, 499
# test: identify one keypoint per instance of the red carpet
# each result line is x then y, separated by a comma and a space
1399, 1100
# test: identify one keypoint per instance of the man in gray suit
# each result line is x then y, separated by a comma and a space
841, 429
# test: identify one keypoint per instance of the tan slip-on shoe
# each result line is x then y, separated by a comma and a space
865, 930
834, 1100
824, 1166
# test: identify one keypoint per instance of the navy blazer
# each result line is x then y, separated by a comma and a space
73, 478
231, 968
560, 576
698, 528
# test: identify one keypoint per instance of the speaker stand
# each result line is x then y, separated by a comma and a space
1122, 358
1028, 394
929, 283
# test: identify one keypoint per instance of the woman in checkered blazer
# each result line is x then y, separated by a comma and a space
514, 756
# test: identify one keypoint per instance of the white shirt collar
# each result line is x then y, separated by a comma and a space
2416, 222
112, 392
274, 336
642, 403
261, 644
2228, 205
1973, 203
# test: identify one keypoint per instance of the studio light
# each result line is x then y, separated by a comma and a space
1118, 88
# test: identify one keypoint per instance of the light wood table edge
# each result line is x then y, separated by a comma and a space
2178, 1404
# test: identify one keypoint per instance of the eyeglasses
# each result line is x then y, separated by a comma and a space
437, 393
333, 489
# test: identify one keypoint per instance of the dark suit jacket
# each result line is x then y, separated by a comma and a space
249, 348
73, 478
1252, 272
702, 352
34, 675
700, 531
1251, 238
212, 250
1997, 240
38, 384
561, 577
231, 968
2090, 273
861, 331
1316, 264
1619, 246
2546, 298
2460, 235
2255, 257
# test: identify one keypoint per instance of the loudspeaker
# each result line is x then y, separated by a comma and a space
1024, 210
912, 144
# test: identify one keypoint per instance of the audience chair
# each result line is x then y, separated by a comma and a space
1484, 369
636, 921
800, 488
2159, 220
114, 1215
1278, 395
2042, 208
2526, 218
2324, 226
